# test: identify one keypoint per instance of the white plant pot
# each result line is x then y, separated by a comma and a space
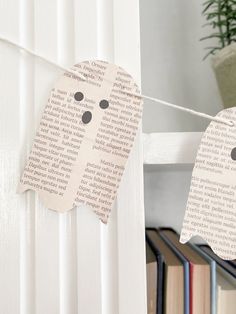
224, 65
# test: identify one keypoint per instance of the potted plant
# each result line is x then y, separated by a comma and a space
221, 16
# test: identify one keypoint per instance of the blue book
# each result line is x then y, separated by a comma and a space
228, 266
186, 266
225, 281
212, 264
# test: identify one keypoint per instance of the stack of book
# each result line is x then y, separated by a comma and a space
187, 278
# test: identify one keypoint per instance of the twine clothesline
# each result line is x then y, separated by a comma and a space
157, 100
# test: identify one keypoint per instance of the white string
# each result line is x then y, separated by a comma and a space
34, 54
191, 111
160, 101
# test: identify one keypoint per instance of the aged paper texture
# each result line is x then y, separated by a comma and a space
84, 138
211, 206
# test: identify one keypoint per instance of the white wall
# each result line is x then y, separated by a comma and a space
166, 190
172, 66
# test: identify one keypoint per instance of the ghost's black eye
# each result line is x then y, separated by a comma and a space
233, 153
79, 96
104, 104
86, 117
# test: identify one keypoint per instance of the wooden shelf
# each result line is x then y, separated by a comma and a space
170, 148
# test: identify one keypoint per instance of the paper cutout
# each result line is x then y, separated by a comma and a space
84, 139
211, 206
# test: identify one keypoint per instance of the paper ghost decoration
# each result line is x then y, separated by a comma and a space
211, 205
84, 138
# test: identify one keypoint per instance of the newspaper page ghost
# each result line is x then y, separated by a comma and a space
211, 205
84, 138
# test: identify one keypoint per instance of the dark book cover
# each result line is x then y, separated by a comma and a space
186, 264
160, 273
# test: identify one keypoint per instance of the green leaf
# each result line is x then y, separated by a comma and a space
216, 35
213, 48
208, 5
211, 52
220, 15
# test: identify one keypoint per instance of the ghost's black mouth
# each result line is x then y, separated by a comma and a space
87, 117
233, 153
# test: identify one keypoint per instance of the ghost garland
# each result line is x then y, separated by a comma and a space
84, 139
